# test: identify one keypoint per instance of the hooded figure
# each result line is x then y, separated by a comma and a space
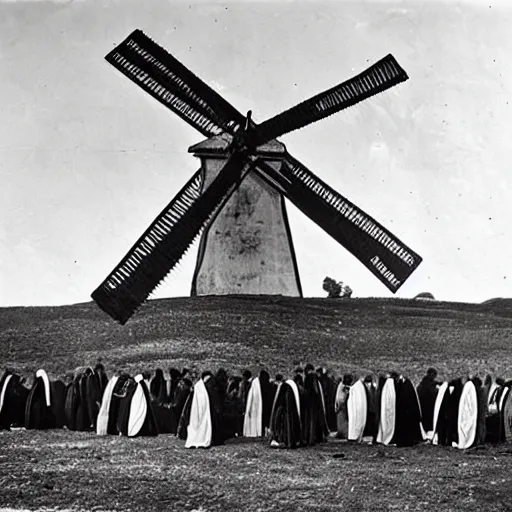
179, 403
467, 424
314, 422
205, 427
78, 407
171, 385
372, 426
158, 387
285, 420
104, 412
259, 406
357, 408
340, 406
136, 416
408, 414
13, 399
427, 393
387, 411
39, 413
329, 389
200, 428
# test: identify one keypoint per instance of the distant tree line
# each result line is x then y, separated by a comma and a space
336, 289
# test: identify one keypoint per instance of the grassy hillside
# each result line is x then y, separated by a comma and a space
79, 471
235, 332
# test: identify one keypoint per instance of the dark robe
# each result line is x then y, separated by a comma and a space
175, 378
94, 393
506, 414
408, 414
125, 399
427, 394
158, 388
232, 414
118, 393
216, 395
493, 424
15, 399
150, 425
71, 404
314, 423
341, 409
329, 387
482, 411
183, 390
243, 390
76, 407
84, 421
165, 418
185, 416
285, 422
268, 391
453, 413
37, 414
378, 400
448, 421
58, 394
371, 428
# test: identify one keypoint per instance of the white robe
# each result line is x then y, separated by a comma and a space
138, 408
467, 416
4, 389
295, 390
46, 381
357, 409
102, 421
253, 418
199, 430
437, 407
387, 412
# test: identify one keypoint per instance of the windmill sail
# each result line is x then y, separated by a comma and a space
385, 255
172, 84
381, 76
164, 243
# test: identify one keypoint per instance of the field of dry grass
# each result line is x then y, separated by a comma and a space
71, 470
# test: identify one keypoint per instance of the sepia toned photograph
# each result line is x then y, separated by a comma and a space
254, 255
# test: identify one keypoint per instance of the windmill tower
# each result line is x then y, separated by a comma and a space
236, 197
247, 248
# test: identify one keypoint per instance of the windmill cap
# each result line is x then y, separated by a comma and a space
219, 145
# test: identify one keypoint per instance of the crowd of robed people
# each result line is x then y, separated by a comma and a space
303, 410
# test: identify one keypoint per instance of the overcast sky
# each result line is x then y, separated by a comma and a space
87, 159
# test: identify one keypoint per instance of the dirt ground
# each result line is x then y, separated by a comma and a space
78, 471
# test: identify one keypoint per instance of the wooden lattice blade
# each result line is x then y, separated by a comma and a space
164, 243
162, 76
379, 250
381, 76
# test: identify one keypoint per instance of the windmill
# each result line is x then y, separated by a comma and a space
237, 151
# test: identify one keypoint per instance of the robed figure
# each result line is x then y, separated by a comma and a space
285, 421
259, 406
341, 406
13, 398
427, 393
44, 407
408, 414
204, 428
314, 422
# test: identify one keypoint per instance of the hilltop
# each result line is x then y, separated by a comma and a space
246, 331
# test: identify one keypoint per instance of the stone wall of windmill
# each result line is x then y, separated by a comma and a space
247, 248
